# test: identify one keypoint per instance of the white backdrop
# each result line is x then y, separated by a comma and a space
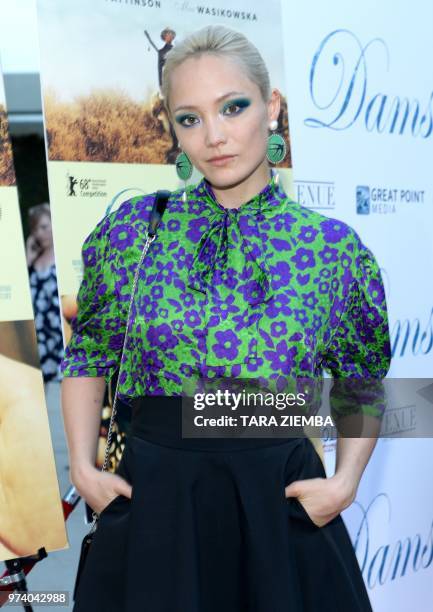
360, 92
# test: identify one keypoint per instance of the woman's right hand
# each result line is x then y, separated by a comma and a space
33, 249
100, 488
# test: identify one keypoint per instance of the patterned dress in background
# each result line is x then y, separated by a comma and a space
45, 299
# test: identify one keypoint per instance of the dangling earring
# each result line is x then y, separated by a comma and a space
275, 176
183, 170
277, 149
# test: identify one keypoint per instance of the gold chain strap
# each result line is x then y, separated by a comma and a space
149, 240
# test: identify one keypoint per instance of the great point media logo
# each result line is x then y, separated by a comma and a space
85, 187
340, 90
386, 200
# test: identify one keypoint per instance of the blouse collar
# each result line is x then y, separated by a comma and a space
215, 249
269, 198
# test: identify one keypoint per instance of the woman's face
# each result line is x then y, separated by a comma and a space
43, 232
220, 118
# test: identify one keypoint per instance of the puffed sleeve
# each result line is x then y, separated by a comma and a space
358, 353
98, 328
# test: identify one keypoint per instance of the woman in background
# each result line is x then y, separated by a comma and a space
43, 284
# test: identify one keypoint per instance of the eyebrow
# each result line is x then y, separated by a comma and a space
223, 97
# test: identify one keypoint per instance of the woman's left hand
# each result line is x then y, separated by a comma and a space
322, 498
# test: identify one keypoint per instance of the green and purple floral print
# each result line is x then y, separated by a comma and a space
270, 289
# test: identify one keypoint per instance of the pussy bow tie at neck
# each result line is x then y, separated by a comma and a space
231, 252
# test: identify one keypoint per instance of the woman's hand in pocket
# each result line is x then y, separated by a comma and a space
100, 488
322, 498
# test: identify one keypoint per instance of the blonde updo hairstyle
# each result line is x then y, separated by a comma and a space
223, 42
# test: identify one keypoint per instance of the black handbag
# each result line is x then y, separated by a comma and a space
156, 214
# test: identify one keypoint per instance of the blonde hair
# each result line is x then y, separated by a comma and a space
222, 41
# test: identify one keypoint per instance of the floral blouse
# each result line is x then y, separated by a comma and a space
270, 289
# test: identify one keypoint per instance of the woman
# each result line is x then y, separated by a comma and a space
241, 282
43, 284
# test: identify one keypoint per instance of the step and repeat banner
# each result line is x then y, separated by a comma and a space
361, 128
31, 515
361, 123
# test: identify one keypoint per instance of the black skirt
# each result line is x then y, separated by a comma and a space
209, 529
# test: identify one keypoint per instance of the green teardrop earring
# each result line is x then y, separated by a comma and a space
183, 169
277, 148
183, 166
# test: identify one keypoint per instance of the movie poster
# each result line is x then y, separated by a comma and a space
31, 515
108, 137
107, 133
